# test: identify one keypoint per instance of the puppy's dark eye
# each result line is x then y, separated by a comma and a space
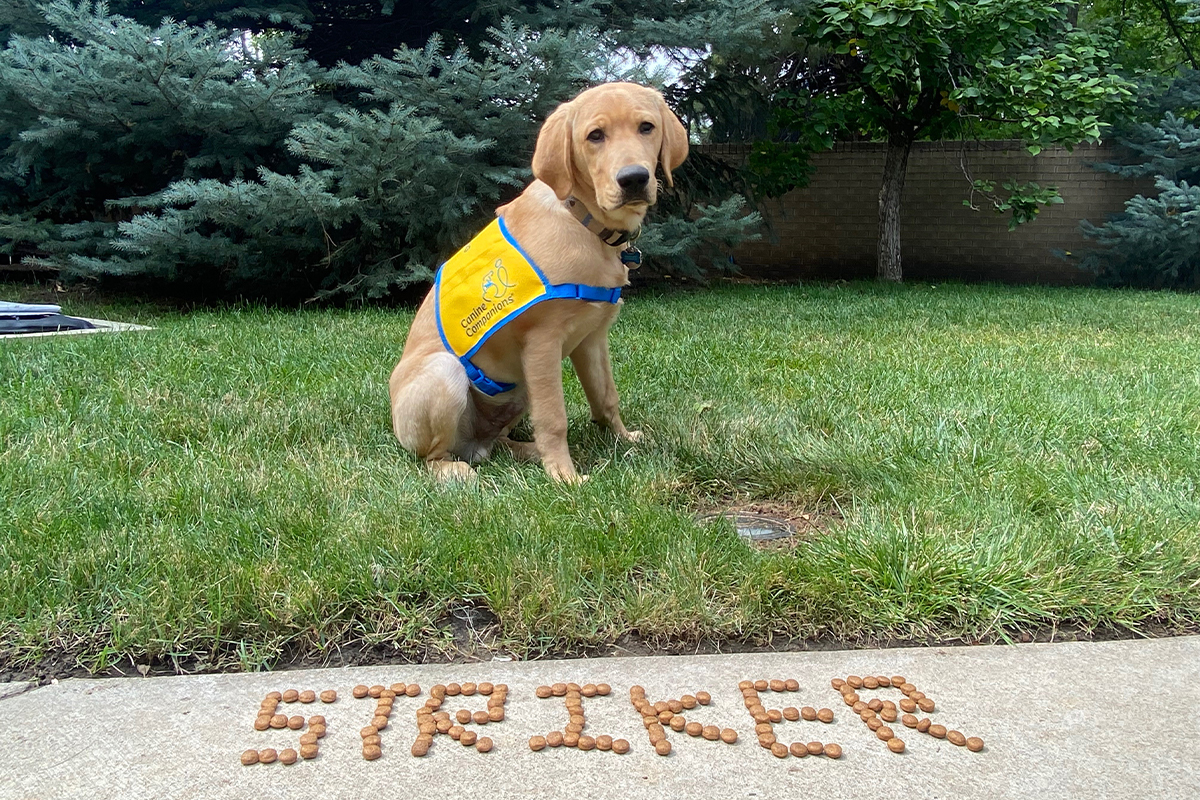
646, 127
596, 136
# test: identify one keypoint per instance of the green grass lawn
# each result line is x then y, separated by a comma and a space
227, 486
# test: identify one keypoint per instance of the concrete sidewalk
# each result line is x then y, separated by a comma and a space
1101, 720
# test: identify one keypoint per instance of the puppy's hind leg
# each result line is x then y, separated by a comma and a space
431, 410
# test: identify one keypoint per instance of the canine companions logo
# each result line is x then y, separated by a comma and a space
495, 283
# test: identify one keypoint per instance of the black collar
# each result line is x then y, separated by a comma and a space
610, 237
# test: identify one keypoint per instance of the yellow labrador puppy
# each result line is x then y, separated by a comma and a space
541, 283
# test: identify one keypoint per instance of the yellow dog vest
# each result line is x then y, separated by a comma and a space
486, 285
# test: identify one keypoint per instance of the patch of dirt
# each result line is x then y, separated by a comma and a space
804, 522
469, 648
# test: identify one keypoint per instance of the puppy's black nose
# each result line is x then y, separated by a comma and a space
633, 178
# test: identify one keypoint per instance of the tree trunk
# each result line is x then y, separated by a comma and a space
895, 167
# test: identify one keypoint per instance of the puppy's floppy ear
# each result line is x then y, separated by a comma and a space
552, 157
674, 149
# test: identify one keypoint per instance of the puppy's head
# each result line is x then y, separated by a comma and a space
606, 143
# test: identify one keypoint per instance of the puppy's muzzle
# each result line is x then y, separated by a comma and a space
633, 181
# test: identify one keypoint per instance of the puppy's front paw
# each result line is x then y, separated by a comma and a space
566, 474
632, 436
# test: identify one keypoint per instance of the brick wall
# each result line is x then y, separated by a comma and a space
827, 230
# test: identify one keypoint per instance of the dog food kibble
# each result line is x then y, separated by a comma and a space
427, 728
776, 685
250, 757
855, 681
926, 705
307, 696
662, 747
420, 749
798, 749
860, 707
832, 750
791, 714
375, 690
850, 699
665, 716
328, 696
468, 738
693, 728
761, 685
290, 696
779, 750
883, 680
974, 744
469, 689
316, 719
815, 748
728, 735
369, 730
554, 739
870, 682
888, 715
558, 689
703, 698
916, 697
275, 696
766, 739
924, 725
885, 733
308, 751
267, 756
288, 756
792, 685
762, 727
874, 723
279, 721
380, 722
412, 690
438, 691
376, 739
484, 745
937, 731
496, 714
825, 715
678, 722
909, 721
587, 743
896, 745
956, 738
688, 701
620, 746
711, 732
262, 722
317, 730
875, 704
908, 706
296, 722
359, 691
543, 692
588, 690
372, 751
482, 717
837, 683
537, 743
775, 715
463, 716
